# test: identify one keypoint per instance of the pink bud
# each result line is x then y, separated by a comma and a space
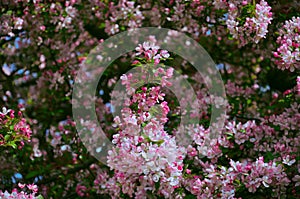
179, 167
21, 185
135, 62
11, 114
275, 54
255, 86
244, 3
144, 89
287, 92
156, 61
42, 28
275, 95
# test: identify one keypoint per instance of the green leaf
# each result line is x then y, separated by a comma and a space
157, 185
32, 174
40, 197
268, 156
159, 142
190, 197
6, 137
102, 25
13, 145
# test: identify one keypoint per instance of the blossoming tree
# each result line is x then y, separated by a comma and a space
256, 49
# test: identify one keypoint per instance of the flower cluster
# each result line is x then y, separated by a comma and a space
288, 53
80, 190
125, 14
222, 182
15, 194
14, 130
247, 23
217, 183
255, 154
150, 51
144, 151
60, 138
147, 159
233, 90
205, 146
259, 173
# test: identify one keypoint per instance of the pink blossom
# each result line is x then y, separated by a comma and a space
287, 54
80, 190
32, 187
257, 24
21, 185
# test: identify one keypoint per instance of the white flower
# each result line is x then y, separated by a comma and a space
71, 11
5, 111
19, 23
173, 181
287, 161
265, 181
155, 178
